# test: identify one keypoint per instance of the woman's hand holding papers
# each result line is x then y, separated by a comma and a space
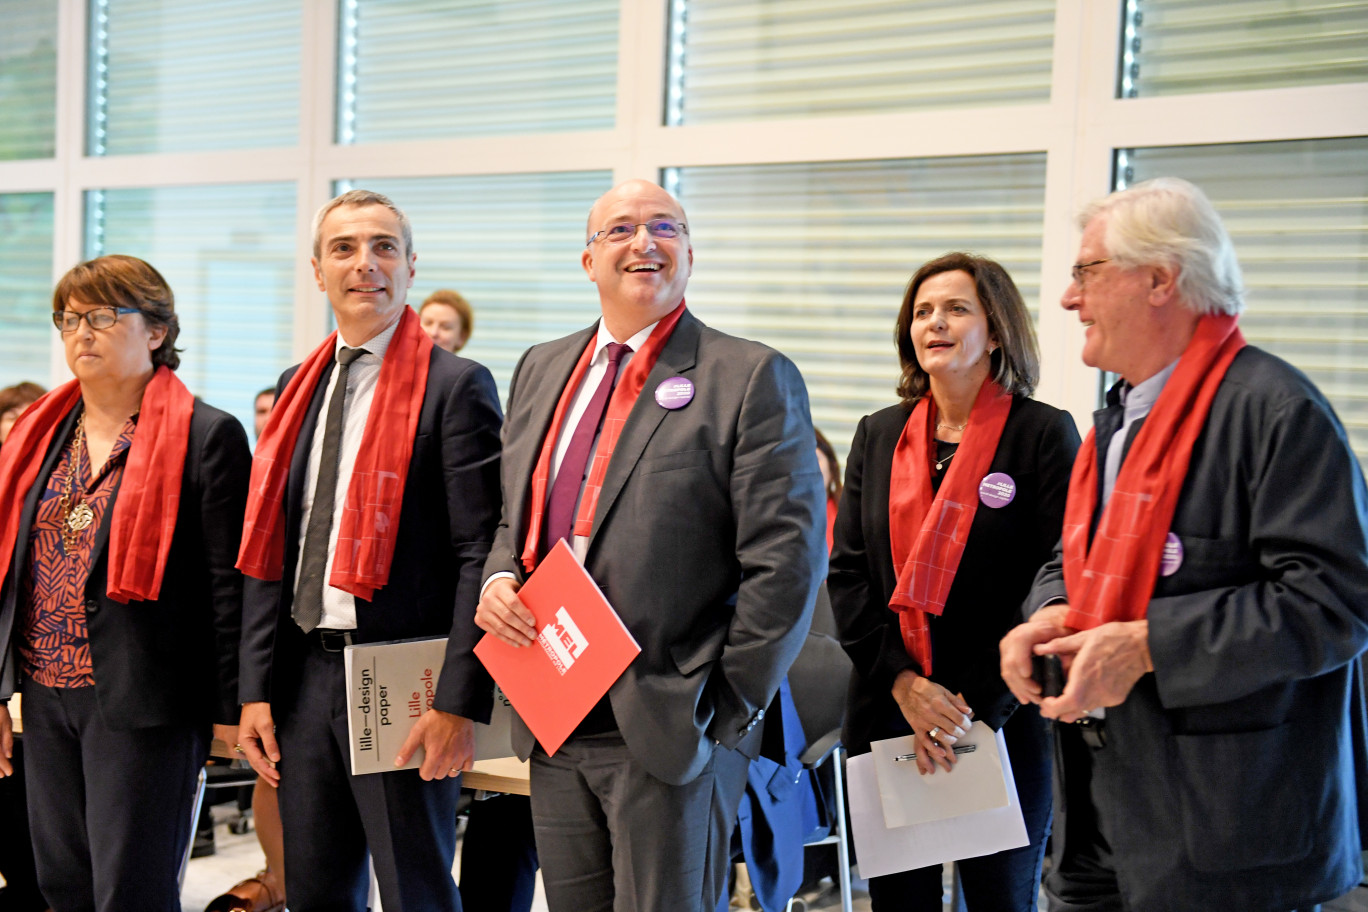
929, 707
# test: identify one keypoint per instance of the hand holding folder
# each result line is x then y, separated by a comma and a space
581, 648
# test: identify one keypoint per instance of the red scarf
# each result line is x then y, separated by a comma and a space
625, 395
928, 531
145, 509
1113, 580
370, 517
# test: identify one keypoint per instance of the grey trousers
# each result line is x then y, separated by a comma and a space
611, 836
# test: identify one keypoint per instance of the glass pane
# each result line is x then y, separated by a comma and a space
1298, 214
416, 69
1174, 46
511, 245
26, 288
742, 59
184, 76
28, 78
813, 259
229, 254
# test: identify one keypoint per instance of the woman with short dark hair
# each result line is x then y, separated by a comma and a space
953, 499
121, 503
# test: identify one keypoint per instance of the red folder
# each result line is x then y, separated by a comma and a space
582, 647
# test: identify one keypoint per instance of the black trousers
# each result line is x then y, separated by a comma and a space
499, 856
332, 818
109, 810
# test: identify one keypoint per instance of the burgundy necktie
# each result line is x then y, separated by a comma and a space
561, 503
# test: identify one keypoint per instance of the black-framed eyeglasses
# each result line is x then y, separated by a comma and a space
1079, 276
624, 231
103, 317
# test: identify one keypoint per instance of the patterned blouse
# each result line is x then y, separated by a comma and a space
54, 644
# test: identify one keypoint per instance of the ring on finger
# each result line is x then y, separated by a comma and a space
933, 732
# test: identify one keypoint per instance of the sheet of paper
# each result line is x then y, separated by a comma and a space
975, 784
884, 850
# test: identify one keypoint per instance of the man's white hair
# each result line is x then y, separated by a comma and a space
1169, 221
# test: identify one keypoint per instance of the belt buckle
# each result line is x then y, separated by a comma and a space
334, 640
1094, 731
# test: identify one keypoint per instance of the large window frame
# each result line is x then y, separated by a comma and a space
1078, 128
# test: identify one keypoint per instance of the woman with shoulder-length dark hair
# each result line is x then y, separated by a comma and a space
966, 447
121, 503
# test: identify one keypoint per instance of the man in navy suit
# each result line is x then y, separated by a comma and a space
438, 415
1209, 596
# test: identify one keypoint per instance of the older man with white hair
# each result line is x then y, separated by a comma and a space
1209, 597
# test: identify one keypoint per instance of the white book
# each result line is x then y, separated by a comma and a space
886, 850
391, 684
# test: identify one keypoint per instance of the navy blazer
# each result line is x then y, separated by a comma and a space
446, 521
1005, 549
1231, 773
172, 661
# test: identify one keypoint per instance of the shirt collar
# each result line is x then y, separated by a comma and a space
375, 345
604, 338
1142, 396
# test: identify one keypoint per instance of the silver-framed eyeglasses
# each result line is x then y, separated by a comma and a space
663, 228
1079, 276
68, 321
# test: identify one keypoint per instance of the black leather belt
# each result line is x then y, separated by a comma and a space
333, 640
1094, 731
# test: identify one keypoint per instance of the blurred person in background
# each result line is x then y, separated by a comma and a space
446, 316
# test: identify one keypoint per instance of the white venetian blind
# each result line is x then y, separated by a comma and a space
417, 69
1298, 215
511, 245
743, 59
26, 287
186, 76
228, 253
28, 78
813, 259
1176, 46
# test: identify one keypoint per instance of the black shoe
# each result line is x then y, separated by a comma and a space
204, 843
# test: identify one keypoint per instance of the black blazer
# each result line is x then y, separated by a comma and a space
172, 661
446, 522
1006, 547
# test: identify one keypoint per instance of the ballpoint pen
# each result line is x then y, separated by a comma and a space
959, 749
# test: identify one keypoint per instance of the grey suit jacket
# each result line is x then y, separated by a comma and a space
1229, 778
708, 539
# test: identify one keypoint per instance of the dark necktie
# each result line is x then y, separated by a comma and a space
308, 603
560, 505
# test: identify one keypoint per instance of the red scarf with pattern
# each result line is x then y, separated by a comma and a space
1114, 579
928, 531
370, 518
145, 509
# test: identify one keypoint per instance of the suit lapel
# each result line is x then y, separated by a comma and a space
678, 357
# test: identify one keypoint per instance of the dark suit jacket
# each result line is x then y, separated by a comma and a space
708, 540
1005, 549
173, 661
1228, 780
447, 518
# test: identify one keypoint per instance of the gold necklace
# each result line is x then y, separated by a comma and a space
77, 517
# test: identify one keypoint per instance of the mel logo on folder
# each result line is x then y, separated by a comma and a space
582, 647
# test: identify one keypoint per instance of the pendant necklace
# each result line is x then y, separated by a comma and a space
77, 517
940, 463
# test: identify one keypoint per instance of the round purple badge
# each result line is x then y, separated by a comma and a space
1173, 556
997, 490
674, 393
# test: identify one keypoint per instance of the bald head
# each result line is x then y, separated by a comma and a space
631, 188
